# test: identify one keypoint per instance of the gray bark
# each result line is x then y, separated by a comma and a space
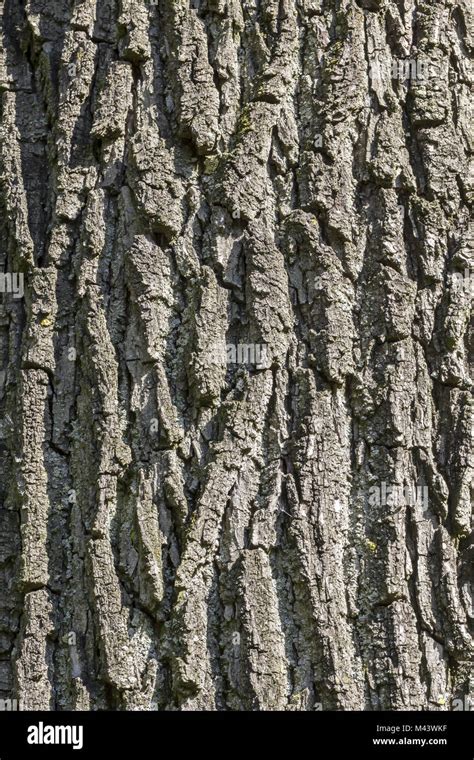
181, 531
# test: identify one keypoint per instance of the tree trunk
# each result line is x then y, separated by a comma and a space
235, 396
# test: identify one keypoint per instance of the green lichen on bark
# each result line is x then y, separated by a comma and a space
177, 176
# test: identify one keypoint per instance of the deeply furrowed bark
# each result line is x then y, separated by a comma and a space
177, 531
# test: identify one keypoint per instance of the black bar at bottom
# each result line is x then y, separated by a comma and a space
121, 734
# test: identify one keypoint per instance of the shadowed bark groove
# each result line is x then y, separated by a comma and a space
235, 401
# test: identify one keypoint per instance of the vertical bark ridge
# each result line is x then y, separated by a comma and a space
180, 531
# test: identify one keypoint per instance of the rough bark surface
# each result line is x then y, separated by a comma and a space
176, 531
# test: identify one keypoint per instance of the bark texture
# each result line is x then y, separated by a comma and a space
176, 531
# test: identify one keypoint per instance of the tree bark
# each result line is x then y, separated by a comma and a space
241, 346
